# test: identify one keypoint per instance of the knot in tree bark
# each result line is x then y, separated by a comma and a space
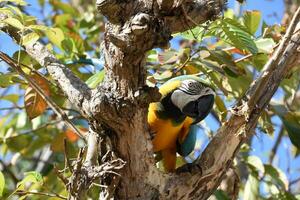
140, 23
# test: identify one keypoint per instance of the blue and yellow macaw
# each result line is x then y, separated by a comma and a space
185, 101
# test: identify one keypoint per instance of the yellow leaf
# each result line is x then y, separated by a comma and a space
30, 38
56, 36
14, 22
35, 105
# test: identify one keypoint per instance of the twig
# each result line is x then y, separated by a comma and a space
22, 192
243, 58
60, 176
13, 108
276, 145
294, 182
38, 89
67, 160
9, 172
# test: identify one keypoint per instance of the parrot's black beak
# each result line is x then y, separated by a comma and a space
205, 104
200, 108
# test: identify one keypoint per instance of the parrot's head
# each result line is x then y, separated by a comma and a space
194, 99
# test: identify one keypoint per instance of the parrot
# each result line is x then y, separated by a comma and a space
185, 101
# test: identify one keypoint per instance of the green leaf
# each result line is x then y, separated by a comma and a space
31, 177
292, 126
38, 27
14, 22
233, 33
2, 183
221, 107
56, 36
25, 59
229, 13
291, 122
192, 34
285, 196
163, 76
68, 45
259, 60
227, 63
94, 80
221, 195
255, 162
18, 2
152, 56
14, 98
277, 175
30, 38
251, 191
265, 45
19, 142
252, 20
5, 80
167, 57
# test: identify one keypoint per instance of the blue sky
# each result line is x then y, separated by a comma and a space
272, 12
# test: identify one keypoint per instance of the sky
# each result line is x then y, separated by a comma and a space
272, 11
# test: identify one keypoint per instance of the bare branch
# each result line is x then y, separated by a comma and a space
276, 145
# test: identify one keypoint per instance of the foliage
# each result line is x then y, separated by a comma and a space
229, 52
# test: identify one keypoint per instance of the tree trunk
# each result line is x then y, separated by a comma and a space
117, 109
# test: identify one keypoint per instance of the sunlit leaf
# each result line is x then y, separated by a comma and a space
2, 183
167, 57
251, 191
277, 175
252, 20
38, 27
255, 163
31, 177
94, 80
18, 2
56, 36
163, 76
193, 34
14, 98
5, 80
265, 45
30, 38
14, 22
233, 33
221, 107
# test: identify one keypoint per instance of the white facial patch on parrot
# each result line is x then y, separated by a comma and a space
190, 90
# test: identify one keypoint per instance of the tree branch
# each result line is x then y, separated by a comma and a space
76, 90
218, 156
189, 14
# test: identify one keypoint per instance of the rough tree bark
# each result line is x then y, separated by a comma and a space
117, 109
